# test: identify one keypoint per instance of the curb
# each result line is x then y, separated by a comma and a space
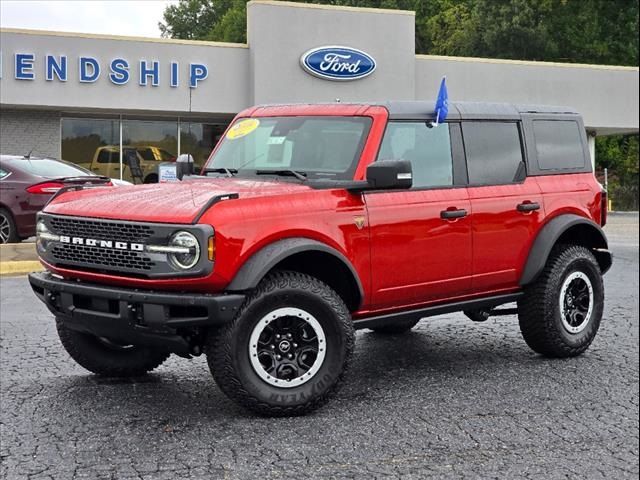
18, 252
20, 267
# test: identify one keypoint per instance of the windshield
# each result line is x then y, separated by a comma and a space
320, 147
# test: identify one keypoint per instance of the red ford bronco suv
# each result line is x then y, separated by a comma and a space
311, 221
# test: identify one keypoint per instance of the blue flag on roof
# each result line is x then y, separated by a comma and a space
442, 103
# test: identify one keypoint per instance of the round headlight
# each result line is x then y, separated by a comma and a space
42, 235
190, 253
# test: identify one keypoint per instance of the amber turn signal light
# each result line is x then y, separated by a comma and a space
211, 249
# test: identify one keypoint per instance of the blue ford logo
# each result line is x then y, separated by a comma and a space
337, 63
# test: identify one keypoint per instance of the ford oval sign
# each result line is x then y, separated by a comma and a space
338, 63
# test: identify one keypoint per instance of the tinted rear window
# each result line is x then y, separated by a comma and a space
494, 152
44, 167
558, 144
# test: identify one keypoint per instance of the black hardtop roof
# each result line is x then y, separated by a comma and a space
471, 110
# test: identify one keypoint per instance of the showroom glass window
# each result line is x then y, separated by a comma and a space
84, 138
198, 139
153, 141
95, 144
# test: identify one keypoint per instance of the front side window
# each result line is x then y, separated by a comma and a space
427, 147
494, 152
319, 147
3, 173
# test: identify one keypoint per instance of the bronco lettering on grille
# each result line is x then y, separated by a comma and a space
90, 242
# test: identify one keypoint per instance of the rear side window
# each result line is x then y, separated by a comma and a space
494, 152
558, 145
44, 167
103, 157
146, 154
3, 173
109, 156
428, 148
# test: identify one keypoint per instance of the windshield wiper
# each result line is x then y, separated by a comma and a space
284, 173
229, 171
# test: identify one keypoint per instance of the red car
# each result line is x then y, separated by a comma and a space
27, 184
311, 221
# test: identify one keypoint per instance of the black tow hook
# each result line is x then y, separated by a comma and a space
478, 315
483, 315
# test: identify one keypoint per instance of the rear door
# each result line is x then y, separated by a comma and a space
507, 206
558, 155
421, 238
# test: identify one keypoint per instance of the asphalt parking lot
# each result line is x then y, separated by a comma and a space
452, 399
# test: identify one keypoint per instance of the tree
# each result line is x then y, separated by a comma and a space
193, 19
232, 26
584, 31
619, 154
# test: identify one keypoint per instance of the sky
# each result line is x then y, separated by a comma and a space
138, 18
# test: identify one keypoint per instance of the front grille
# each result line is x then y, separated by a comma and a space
102, 257
116, 246
101, 230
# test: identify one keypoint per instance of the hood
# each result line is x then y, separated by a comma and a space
177, 202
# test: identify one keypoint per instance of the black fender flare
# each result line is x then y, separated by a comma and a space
549, 235
262, 261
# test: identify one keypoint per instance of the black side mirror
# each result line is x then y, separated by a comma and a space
184, 165
387, 174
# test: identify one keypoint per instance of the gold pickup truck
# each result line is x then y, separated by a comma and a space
106, 161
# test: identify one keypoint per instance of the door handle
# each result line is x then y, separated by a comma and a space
452, 214
528, 206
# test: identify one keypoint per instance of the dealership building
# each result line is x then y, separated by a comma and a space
85, 97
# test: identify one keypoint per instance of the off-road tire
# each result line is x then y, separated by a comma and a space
99, 357
7, 221
539, 310
228, 355
396, 328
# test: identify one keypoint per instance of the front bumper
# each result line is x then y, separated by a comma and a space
162, 319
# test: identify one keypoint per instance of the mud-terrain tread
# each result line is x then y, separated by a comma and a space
218, 346
536, 307
395, 328
74, 343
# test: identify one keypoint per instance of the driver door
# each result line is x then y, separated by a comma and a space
421, 238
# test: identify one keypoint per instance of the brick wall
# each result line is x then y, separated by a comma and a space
24, 130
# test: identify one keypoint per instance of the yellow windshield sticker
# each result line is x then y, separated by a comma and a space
242, 128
